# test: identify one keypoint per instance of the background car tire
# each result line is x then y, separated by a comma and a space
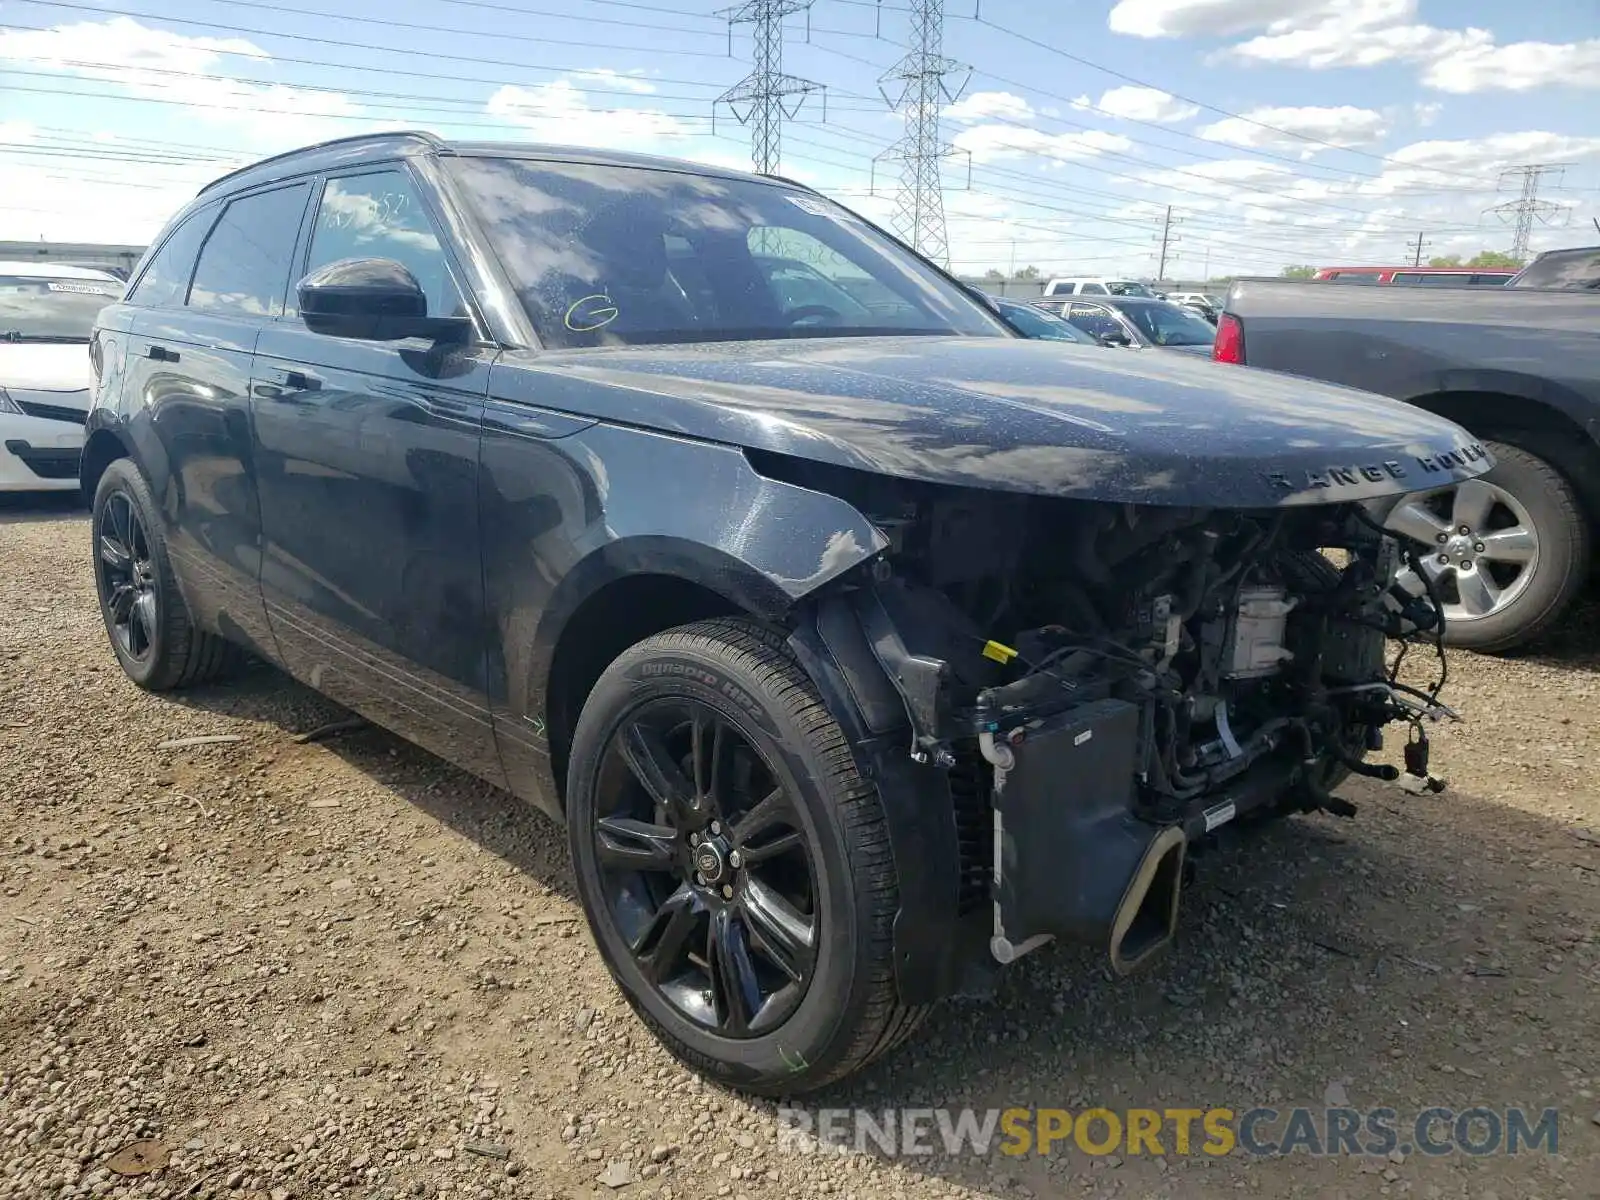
1563, 565
850, 1013
179, 655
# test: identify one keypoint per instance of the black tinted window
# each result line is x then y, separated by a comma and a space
166, 279
604, 255
1423, 279
244, 267
1170, 324
381, 216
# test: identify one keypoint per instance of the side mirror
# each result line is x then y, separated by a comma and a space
372, 300
1113, 339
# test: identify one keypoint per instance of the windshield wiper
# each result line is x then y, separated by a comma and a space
16, 335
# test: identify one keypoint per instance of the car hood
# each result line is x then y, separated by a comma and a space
45, 366
1050, 418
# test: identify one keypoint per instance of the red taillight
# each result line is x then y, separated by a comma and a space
1229, 346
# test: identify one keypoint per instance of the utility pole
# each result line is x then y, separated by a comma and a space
921, 77
1166, 240
1416, 256
758, 100
1528, 208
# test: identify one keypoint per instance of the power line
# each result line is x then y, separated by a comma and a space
757, 100
922, 74
1417, 248
1126, 78
499, 35
1086, 161
1528, 208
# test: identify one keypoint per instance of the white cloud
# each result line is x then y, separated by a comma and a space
1140, 104
623, 81
163, 65
1322, 34
1339, 126
1202, 18
1517, 67
995, 143
1356, 33
1456, 162
559, 112
988, 106
1426, 113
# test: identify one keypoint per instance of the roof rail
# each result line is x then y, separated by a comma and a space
422, 135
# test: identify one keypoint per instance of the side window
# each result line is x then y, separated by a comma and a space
1093, 289
380, 215
244, 268
167, 277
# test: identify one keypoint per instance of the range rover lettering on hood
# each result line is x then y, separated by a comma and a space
1352, 476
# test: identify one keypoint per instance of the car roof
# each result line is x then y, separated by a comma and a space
407, 143
50, 270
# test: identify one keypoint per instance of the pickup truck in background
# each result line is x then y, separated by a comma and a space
1519, 368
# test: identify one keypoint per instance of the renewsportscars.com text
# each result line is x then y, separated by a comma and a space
1318, 1132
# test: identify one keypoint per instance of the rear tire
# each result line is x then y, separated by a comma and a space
155, 642
735, 680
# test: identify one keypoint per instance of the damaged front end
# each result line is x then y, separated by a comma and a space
1058, 698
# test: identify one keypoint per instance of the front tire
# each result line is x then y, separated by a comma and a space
733, 864
156, 643
1508, 552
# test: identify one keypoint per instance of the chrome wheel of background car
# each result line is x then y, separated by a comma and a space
1480, 546
126, 573
706, 870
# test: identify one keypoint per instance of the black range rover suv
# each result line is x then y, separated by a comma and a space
858, 642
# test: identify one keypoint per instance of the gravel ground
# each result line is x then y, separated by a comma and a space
346, 969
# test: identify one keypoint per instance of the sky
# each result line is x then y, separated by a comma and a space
1279, 132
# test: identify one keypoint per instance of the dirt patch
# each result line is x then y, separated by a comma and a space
344, 969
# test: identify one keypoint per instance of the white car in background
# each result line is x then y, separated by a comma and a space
46, 313
1098, 285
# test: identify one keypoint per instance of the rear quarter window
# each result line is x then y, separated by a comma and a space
166, 279
244, 267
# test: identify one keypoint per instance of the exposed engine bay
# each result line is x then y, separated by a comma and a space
1130, 678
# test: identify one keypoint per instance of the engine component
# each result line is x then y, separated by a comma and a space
1255, 645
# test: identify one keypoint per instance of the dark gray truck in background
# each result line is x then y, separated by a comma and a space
1520, 369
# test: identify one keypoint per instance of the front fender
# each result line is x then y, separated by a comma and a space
566, 519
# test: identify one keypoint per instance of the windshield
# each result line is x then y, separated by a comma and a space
1126, 287
1033, 323
1170, 325
1564, 269
608, 255
52, 310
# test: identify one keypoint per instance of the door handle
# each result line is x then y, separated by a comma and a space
287, 377
160, 353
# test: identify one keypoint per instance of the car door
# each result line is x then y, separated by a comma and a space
187, 373
368, 456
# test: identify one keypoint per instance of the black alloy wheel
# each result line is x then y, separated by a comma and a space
705, 868
128, 580
150, 628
